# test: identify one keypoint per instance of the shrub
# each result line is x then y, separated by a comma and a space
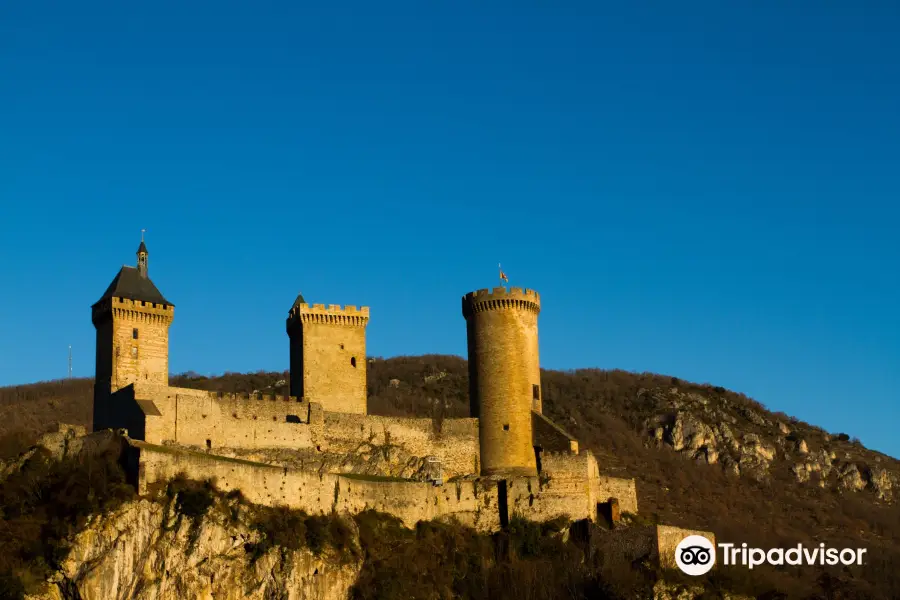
41, 504
294, 529
192, 498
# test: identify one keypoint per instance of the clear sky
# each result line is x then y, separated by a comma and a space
703, 189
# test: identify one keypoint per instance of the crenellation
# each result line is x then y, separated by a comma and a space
520, 299
328, 354
301, 439
255, 397
142, 307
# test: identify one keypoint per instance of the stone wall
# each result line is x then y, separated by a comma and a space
453, 441
259, 483
623, 490
471, 501
206, 420
667, 539
568, 483
575, 479
122, 410
103, 355
210, 420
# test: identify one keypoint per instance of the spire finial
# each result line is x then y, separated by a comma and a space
142, 256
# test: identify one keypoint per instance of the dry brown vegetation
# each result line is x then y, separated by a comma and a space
604, 410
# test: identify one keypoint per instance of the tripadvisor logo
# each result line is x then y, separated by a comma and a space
696, 555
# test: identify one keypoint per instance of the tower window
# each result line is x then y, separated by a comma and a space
342, 346
353, 361
506, 427
134, 334
536, 392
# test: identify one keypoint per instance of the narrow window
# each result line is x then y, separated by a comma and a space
208, 444
342, 346
506, 427
353, 361
536, 392
134, 333
502, 503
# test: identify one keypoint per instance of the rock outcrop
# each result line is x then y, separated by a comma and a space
745, 441
65, 441
147, 550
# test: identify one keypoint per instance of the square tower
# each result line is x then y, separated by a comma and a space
328, 355
132, 319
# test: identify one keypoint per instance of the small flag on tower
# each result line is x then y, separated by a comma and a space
503, 276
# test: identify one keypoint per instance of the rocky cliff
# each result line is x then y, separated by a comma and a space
147, 550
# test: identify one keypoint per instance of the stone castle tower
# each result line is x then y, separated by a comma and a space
132, 319
328, 355
504, 376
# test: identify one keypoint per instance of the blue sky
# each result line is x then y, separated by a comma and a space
708, 190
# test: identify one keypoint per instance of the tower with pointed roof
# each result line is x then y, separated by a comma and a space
328, 355
132, 320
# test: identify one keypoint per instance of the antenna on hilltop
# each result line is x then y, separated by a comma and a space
70, 362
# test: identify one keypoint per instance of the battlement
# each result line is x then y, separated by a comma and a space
333, 314
125, 307
254, 397
501, 298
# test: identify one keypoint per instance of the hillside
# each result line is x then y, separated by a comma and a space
704, 457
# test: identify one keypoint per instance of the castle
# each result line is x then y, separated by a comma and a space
319, 450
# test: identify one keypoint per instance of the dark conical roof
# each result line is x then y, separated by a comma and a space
129, 284
299, 300
142, 247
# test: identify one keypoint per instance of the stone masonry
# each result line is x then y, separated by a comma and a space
320, 451
504, 375
328, 355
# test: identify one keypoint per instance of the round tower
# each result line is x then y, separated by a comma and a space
504, 376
